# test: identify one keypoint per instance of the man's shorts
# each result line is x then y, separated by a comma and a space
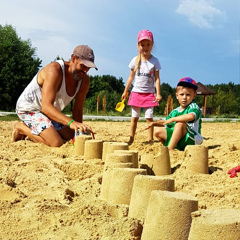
188, 139
38, 122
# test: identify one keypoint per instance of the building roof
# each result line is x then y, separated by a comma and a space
204, 90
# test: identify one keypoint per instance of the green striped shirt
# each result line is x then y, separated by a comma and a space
193, 126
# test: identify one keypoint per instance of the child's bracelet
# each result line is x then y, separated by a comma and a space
70, 122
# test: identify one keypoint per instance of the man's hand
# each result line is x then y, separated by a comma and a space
77, 126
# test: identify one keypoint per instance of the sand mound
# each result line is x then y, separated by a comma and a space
50, 193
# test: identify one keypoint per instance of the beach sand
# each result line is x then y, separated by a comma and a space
50, 193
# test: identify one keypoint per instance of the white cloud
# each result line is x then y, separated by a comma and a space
200, 12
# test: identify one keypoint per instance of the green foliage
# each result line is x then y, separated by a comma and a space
227, 99
58, 58
106, 85
227, 103
18, 65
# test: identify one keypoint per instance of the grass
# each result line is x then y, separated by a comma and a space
10, 117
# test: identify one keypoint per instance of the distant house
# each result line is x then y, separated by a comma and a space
205, 91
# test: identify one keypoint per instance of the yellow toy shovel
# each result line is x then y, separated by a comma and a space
120, 106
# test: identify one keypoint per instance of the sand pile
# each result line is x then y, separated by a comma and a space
51, 193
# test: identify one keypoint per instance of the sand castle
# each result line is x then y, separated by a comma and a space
147, 190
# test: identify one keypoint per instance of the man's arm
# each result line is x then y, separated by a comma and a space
80, 99
50, 79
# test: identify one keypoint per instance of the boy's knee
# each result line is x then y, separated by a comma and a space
157, 132
180, 125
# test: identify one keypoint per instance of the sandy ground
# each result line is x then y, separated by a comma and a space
50, 193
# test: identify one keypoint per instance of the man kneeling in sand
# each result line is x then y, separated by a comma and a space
50, 91
183, 125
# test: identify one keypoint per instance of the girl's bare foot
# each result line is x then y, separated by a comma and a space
151, 141
130, 141
16, 134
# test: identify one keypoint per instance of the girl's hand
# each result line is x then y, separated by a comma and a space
158, 98
124, 95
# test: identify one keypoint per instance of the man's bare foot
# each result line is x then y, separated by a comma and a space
16, 135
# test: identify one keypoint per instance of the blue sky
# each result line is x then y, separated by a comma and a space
196, 38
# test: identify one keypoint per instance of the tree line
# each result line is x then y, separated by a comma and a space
19, 63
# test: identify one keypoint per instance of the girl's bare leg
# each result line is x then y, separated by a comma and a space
150, 130
133, 127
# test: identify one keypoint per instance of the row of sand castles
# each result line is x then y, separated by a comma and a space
148, 191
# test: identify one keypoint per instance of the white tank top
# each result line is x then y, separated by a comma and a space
31, 98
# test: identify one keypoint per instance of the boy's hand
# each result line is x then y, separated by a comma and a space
170, 120
147, 126
160, 122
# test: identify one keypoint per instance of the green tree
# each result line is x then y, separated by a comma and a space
227, 102
101, 86
18, 63
105, 82
58, 58
227, 98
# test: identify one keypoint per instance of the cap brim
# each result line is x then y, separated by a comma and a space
188, 84
89, 64
144, 38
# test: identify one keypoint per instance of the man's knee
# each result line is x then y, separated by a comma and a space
56, 143
51, 137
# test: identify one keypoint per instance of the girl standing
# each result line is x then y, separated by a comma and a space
145, 70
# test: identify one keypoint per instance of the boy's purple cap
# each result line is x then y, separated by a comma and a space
188, 82
85, 53
145, 35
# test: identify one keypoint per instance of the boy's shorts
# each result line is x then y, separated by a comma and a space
38, 122
188, 139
